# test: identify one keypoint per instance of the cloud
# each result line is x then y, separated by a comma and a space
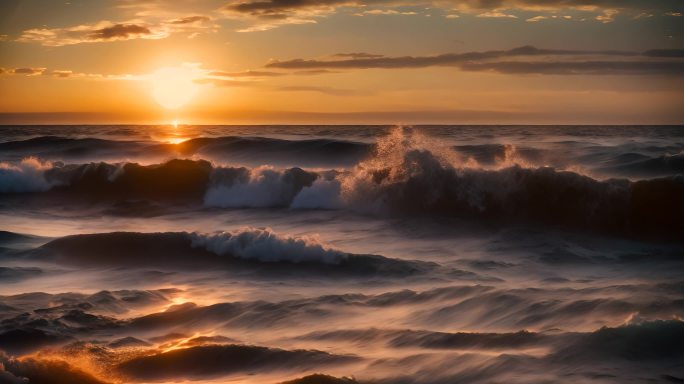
106, 31
558, 5
536, 19
447, 59
497, 15
547, 61
675, 68
608, 16
119, 32
268, 14
189, 19
27, 71
223, 82
358, 55
324, 90
386, 12
245, 74
311, 72
100, 32
62, 73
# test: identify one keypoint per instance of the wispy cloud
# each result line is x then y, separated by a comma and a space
26, 71
268, 14
386, 12
545, 61
497, 15
107, 31
59, 73
643, 67
325, 90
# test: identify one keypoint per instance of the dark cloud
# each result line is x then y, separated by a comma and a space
638, 5
447, 59
28, 71
105, 31
270, 8
674, 68
119, 31
190, 19
277, 9
284, 9
358, 55
486, 61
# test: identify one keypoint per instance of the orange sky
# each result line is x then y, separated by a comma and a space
342, 62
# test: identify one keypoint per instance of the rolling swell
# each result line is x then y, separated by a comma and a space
248, 249
302, 152
212, 360
408, 176
249, 150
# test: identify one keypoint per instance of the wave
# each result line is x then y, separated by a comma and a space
318, 378
265, 245
261, 187
199, 362
434, 340
636, 164
409, 175
321, 152
236, 149
259, 250
655, 340
212, 360
33, 370
27, 176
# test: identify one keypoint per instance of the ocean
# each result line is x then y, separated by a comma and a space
342, 254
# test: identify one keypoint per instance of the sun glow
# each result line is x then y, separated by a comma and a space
173, 87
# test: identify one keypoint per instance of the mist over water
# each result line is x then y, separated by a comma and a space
367, 254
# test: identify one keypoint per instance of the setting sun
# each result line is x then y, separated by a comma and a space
173, 87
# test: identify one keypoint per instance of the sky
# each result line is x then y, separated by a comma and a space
342, 62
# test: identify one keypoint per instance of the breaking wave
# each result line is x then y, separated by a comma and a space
266, 246
409, 175
27, 176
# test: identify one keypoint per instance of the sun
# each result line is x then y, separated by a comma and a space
173, 87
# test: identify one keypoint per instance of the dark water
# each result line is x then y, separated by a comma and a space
439, 254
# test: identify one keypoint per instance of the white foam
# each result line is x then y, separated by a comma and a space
264, 245
27, 176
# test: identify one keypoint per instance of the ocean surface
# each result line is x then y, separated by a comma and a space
341, 254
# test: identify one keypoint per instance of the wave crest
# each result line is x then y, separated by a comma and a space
27, 176
264, 245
